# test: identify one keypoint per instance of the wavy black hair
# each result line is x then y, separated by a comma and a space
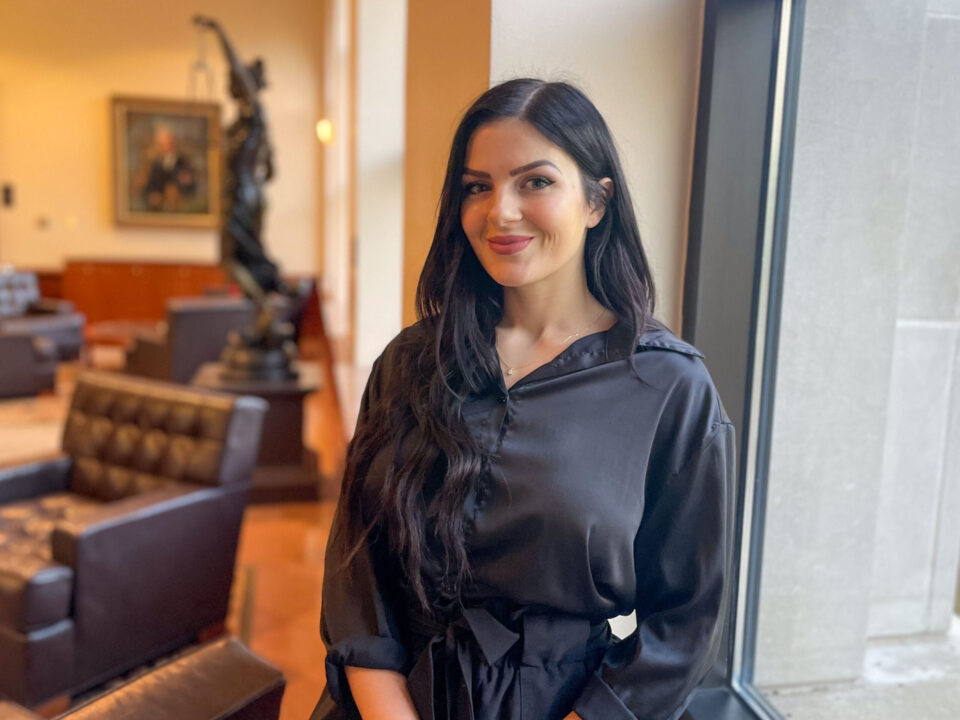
434, 466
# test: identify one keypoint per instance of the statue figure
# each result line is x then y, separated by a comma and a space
265, 350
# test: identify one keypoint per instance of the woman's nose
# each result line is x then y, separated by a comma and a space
504, 208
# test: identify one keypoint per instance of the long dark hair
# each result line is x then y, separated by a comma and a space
450, 353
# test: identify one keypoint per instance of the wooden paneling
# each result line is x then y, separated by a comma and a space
118, 290
438, 93
50, 282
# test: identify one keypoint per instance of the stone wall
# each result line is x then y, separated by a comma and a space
863, 519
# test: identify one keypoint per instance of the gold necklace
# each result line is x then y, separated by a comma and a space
512, 368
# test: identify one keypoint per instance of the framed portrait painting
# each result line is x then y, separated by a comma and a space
166, 162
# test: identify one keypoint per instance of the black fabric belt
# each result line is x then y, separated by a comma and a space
441, 681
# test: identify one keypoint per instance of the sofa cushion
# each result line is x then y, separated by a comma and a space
34, 590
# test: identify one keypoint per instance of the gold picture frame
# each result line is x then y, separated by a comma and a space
167, 166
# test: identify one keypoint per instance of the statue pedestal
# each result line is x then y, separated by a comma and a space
286, 470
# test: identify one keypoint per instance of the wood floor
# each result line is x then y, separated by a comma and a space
279, 570
279, 576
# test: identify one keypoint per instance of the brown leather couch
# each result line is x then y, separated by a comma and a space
24, 312
122, 547
28, 364
221, 680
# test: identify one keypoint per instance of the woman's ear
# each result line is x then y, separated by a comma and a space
597, 211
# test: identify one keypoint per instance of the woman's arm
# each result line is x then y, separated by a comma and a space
380, 694
682, 555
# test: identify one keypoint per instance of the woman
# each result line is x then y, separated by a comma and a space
528, 464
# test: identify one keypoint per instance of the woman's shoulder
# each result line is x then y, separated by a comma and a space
658, 351
657, 336
394, 360
412, 338
677, 368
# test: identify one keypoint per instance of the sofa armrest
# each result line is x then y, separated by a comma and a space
149, 356
152, 335
27, 363
40, 476
17, 364
221, 680
45, 306
150, 571
150, 341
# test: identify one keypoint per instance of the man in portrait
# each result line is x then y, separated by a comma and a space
171, 177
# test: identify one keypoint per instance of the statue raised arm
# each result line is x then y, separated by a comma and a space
243, 85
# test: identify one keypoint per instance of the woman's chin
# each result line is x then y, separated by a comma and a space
508, 279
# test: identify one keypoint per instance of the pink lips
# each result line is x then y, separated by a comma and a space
508, 244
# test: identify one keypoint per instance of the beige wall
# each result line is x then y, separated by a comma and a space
448, 64
381, 61
638, 60
60, 61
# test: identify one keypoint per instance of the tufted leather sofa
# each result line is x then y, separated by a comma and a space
121, 547
221, 680
24, 312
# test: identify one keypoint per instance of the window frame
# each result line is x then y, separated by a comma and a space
733, 283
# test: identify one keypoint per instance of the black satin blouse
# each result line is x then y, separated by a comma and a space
611, 491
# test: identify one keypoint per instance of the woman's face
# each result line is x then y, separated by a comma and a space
524, 210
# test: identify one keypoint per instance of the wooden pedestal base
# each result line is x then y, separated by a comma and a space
286, 470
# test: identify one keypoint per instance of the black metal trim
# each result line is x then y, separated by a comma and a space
772, 338
722, 281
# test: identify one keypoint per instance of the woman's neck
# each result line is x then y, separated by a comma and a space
541, 312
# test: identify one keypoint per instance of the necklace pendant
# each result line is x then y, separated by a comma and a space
510, 371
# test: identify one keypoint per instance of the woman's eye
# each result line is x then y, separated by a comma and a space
538, 183
474, 188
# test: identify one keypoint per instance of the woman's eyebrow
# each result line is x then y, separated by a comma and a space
531, 166
515, 171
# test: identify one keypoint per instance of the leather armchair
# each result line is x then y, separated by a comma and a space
24, 312
197, 329
221, 680
28, 364
195, 332
121, 548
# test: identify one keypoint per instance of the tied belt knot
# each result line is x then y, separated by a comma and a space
441, 680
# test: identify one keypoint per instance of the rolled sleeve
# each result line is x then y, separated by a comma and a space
358, 619
682, 554
358, 624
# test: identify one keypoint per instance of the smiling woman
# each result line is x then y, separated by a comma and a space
535, 456
527, 222
511, 205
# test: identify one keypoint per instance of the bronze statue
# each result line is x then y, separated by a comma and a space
265, 350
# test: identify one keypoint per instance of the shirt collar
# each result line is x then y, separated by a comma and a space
619, 342
622, 342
